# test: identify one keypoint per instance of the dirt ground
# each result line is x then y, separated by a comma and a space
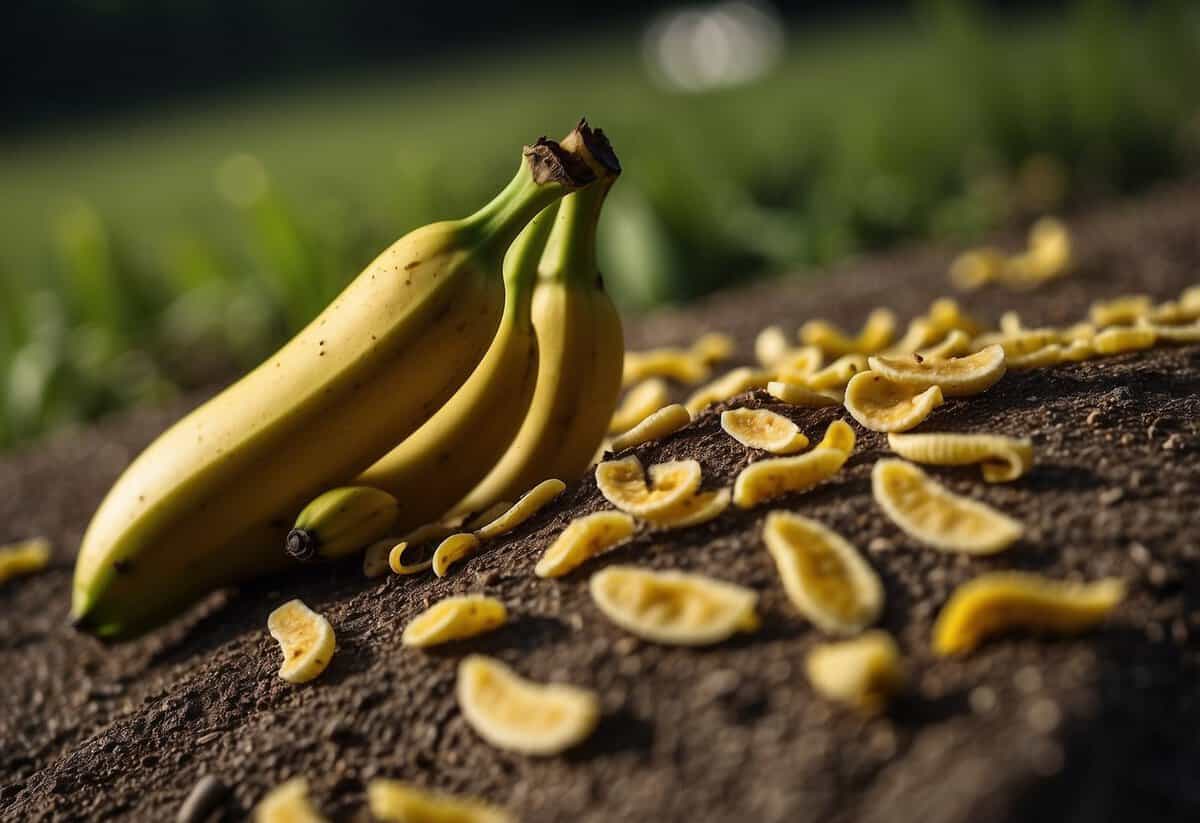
1098, 728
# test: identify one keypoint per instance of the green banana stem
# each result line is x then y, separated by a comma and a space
546, 173
521, 264
571, 251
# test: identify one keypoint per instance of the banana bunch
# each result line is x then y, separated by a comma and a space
413, 382
514, 423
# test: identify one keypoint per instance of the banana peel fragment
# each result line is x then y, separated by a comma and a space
582, 539
1001, 459
454, 618
884, 405
624, 484
664, 422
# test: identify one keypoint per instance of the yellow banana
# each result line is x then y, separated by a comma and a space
340, 522
439, 463
210, 501
580, 349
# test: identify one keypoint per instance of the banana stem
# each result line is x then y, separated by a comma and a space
571, 251
547, 172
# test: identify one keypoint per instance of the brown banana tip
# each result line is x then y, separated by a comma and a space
302, 545
551, 163
597, 146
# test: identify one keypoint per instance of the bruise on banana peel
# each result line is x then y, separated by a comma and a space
1001, 602
522, 716
825, 577
454, 618
862, 673
673, 608
392, 800
210, 501
932, 514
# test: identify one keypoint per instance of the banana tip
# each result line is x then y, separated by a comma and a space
302, 545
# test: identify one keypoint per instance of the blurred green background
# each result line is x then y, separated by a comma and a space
164, 244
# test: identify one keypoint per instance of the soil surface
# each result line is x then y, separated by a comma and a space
1101, 727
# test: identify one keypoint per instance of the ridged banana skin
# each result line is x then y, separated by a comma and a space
209, 502
581, 351
445, 458
342, 521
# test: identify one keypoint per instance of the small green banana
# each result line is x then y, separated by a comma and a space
340, 522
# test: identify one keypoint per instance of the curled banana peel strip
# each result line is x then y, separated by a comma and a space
210, 501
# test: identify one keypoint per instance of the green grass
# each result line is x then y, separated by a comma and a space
128, 271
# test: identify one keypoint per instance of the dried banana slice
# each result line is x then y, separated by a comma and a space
487, 515
1002, 601
1077, 351
1120, 311
1015, 345
375, 558
454, 618
1001, 458
796, 395
921, 333
932, 514
712, 347
640, 402
956, 343
728, 385
306, 639
976, 267
884, 405
701, 507
1048, 355
838, 435
526, 507
673, 608
838, 373
665, 421
287, 803
946, 315
453, 549
767, 479
797, 365
863, 673
676, 364
955, 376
623, 483
24, 557
763, 429
877, 332
825, 577
584, 538
1120, 339
399, 562
521, 716
397, 802
770, 346
1180, 334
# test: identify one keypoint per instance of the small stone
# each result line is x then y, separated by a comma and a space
1028, 679
982, 699
625, 646
1044, 716
878, 545
1127, 439
202, 800
1093, 417
1159, 576
1139, 554
1111, 496
1173, 443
